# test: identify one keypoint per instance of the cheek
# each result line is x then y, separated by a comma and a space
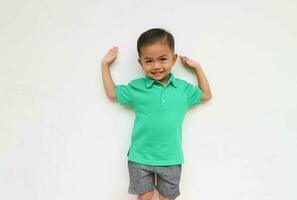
167, 65
146, 68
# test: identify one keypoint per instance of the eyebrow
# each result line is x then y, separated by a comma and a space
150, 58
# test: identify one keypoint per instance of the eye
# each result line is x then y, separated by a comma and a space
148, 61
163, 59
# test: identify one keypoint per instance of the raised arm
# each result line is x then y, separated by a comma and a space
108, 83
202, 80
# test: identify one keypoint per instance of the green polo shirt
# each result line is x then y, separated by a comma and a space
159, 113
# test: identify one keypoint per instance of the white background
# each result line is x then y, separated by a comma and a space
61, 138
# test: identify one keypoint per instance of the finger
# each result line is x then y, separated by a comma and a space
113, 50
181, 59
110, 50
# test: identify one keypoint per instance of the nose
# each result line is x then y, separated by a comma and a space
156, 65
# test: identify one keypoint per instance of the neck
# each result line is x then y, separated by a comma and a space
164, 81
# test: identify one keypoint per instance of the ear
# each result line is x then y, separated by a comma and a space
139, 62
175, 58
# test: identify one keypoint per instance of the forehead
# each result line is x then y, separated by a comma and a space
155, 50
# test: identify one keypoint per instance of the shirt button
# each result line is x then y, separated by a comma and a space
163, 100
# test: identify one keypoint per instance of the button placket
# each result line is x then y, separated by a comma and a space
163, 96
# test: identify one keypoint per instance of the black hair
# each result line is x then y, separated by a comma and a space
153, 35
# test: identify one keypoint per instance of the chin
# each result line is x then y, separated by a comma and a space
160, 78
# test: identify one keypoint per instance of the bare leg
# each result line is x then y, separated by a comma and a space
146, 196
161, 197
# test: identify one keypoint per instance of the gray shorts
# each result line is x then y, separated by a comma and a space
143, 178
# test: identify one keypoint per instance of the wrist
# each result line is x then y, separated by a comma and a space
105, 64
197, 67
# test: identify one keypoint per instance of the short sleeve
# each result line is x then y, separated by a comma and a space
124, 94
194, 94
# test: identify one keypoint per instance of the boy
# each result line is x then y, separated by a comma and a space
159, 101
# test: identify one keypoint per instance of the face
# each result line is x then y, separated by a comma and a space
157, 60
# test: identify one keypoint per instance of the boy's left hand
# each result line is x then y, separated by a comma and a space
189, 62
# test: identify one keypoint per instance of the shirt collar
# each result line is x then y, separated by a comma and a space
149, 81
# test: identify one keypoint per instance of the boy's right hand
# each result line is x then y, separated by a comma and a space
110, 56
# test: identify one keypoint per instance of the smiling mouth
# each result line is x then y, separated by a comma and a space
156, 73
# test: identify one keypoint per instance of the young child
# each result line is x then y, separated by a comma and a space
160, 102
